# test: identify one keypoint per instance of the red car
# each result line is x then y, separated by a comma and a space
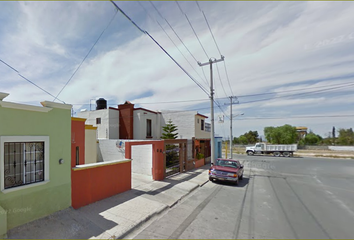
226, 170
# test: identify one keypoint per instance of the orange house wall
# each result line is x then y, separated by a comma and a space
77, 140
199, 163
94, 184
158, 164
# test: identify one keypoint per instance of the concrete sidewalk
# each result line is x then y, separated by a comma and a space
117, 216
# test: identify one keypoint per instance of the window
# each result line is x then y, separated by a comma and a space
148, 128
202, 124
24, 161
98, 120
77, 155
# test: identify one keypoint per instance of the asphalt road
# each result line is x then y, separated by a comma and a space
278, 198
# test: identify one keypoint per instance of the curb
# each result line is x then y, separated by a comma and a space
141, 222
146, 219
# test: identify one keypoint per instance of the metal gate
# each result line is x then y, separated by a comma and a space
175, 156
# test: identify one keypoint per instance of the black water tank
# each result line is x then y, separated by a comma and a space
101, 104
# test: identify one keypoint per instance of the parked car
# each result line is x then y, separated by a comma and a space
226, 170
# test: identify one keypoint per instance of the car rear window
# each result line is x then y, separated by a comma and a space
226, 163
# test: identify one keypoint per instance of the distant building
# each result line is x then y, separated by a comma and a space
127, 122
302, 132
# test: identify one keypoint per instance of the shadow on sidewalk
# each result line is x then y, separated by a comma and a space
116, 215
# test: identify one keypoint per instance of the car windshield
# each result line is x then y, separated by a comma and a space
226, 163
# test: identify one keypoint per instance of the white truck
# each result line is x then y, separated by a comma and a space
286, 150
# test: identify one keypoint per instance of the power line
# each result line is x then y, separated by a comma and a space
171, 38
190, 24
222, 85
145, 32
224, 98
86, 55
295, 117
295, 90
217, 46
228, 79
206, 20
299, 94
28, 80
174, 32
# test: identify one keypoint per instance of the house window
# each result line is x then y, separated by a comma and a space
148, 128
23, 163
98, 120
202, 124
77, 155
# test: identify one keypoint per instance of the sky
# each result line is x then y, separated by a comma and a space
286, 62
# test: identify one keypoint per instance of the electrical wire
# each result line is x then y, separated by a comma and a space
190, 24
206, 20
295, 117
8, 65
228, 79
222, 85
295, 90
176, 34
298, 94
171, 38
83, 60
145, 32
217, 46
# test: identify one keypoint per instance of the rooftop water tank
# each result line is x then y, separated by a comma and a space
101, 103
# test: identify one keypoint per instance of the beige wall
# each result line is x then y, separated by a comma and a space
90, 144
198, 132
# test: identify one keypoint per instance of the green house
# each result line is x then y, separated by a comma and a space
35, 156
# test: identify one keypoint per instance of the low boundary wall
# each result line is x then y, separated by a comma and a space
97, 181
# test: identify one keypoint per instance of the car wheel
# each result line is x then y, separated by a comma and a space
236, 183
276, 154
250, 153
210, 179
241, 177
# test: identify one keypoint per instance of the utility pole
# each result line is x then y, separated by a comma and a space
231, 102
212, 143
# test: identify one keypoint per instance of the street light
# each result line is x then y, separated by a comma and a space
231, 131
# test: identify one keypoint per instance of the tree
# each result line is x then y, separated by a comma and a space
334, 135
243, 140
281, 135
169, 131
251, 136
311, 139
346, 137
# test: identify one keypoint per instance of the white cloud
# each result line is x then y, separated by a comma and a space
268, 47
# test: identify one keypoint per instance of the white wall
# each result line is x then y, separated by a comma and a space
140, 117
341, 148
109, 127
108, 150
142, 159
113, 129
185, 122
